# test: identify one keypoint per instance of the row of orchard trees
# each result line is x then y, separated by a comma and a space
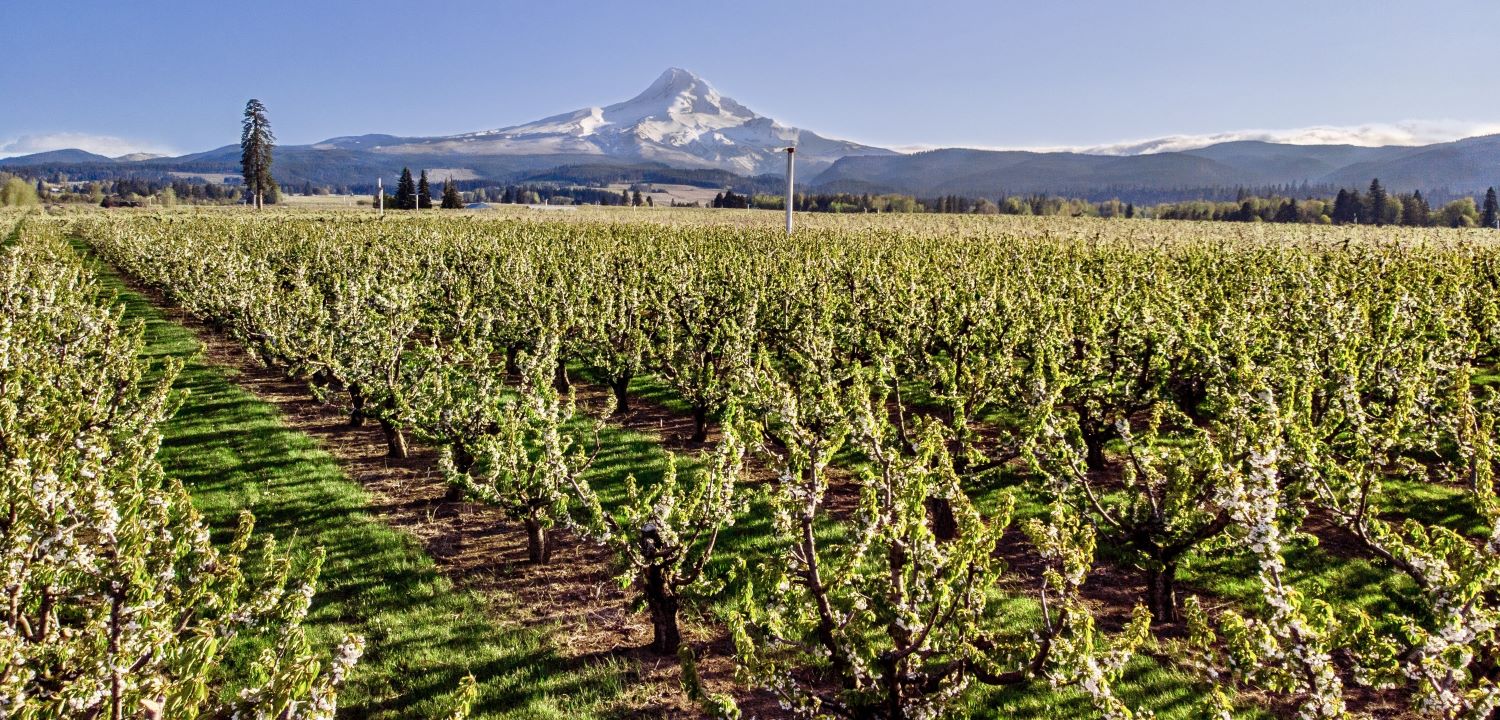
1169, 393
116, 604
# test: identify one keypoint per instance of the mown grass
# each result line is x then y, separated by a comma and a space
233, 452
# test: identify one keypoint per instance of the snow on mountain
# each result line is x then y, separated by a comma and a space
138, 157
679, 120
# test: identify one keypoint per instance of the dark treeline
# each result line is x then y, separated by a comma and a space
543, 194
1349, 206
1342, 206
137, 191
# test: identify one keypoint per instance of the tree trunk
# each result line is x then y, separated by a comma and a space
621, 387
463, 460
538, 545
940, 515
700, 424
666, 637
395, 441
357, 401
1161, 593
1094, 444
511, 352
560, 379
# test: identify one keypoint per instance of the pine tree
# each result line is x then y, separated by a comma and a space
451, 198
1415, 212
1349, 207
256, 144
424, 193
1491, 209
1377, 202
406, 191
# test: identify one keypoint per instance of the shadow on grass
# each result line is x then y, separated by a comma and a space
233, 452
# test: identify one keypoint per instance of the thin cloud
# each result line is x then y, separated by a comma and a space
107, 145
1415, 132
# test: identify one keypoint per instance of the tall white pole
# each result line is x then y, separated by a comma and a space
790, 152
380, 195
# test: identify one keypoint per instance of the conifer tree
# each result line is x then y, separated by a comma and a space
451, 198
1377, 203
424, 193
256, 143
406, 191
1357, 209
1411, 210
1491, 209
1341, 213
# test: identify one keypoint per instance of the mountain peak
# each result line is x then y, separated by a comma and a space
683, 90
680, 120
676, 77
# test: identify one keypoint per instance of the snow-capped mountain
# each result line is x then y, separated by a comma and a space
680, 120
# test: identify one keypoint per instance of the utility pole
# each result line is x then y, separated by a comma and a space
380, 195
790, 153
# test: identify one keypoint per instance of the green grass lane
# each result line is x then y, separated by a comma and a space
232, 451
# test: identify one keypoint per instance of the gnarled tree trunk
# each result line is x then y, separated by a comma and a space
538, 544
666, 636
621, 388
700, 424
1161, 593
395, 441
357, 405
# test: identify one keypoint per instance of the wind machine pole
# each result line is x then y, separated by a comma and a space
790, 153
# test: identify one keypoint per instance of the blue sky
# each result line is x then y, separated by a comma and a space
175, 75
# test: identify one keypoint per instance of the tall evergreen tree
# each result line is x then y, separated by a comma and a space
1377, 203
424, 193
1491, 217
256, 144
1417, 213
1341, 213
406, 191
451, 199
